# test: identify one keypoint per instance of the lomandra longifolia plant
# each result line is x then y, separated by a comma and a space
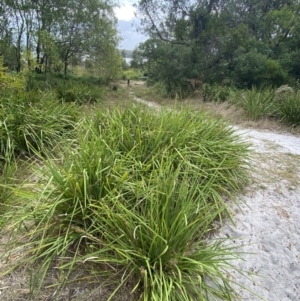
137, 193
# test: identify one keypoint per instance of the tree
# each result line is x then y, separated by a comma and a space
227, 39
57, 31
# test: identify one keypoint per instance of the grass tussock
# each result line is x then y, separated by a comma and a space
256, 103
289, 109
33, 121
8, 181
136, 193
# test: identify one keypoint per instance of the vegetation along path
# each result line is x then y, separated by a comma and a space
268, 218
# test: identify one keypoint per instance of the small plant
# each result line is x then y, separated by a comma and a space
8, 169
256, 103
80, 94
133, 74
32, 121
289, 109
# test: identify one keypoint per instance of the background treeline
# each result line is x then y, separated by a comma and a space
234, 42
50, 35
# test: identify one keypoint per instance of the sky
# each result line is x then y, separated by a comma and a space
127, 23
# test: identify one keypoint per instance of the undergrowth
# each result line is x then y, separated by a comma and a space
136, 192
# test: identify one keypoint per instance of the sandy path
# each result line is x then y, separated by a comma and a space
268, 226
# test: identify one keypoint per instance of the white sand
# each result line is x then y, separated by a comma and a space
269, 228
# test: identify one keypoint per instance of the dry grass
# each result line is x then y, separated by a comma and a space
116, 98
280, 170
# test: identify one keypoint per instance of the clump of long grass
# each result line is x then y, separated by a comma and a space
200, 141
8, 168
256, 103
78, 93
34, 120
215, 92
136, 193
289, 109
177, 89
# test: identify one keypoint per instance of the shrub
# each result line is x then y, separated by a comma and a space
80, 94
9, 82
289, 109
8, 169
138, 193
133, 74
256, 69
256, 103
32, 121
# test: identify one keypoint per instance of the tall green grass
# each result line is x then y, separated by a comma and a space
198, 140
289, 109
256, 103
135, 195
215, 92
8, 168
33, 121
79, 93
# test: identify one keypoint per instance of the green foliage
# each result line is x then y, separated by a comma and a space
215, 92
10, 82
255, 69
8, 169
78, 93
252, 43
61, 33
37, 81
136, 193
169, 67
169, 89
249, 67
143, 134
33, 120
256, 103
289, 109
134, 74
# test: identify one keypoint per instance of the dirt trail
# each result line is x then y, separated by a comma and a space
268, 224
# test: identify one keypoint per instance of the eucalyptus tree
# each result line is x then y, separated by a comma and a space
244, 40
55, 32
86, 28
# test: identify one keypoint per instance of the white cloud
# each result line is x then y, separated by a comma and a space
125, 11
130, 38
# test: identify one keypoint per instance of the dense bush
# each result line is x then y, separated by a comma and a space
8, 168
136, 196
134, 74
289, 109
78, 93
256, 103
32, 121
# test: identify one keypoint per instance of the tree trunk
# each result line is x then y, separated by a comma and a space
66, 63
38, 53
